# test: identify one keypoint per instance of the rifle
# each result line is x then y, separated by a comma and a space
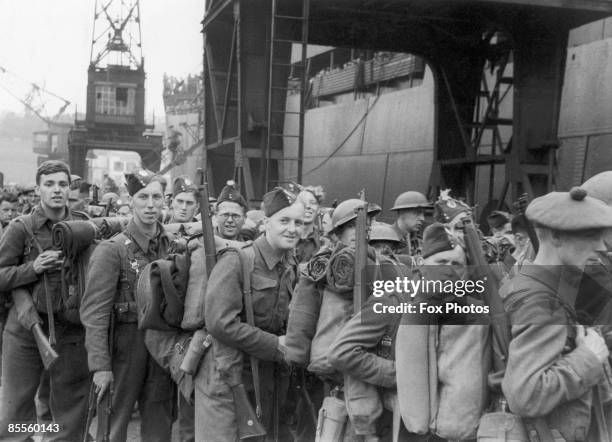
361, 251
202, 340
247, 419
240, 399
91, 406
500, 322
29, 318
105, 408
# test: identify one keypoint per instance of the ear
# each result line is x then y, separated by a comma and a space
556, 238
37, 190
131, 201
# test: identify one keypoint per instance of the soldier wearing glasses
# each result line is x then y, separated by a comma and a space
230, 213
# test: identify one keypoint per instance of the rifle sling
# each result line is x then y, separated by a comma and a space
247, 266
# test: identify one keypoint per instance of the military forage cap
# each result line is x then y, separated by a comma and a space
277, 199
138, 180
569, 211
183, 184
446, 208
435, 240
230, 193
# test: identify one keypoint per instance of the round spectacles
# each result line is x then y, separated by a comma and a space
233, 216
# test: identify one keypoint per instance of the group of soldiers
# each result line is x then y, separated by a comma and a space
279, 319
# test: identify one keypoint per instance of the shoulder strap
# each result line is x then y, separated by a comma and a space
28, 225
247, 261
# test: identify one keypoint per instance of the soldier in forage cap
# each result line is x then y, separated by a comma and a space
553, 363
184, 204
230, 212
272, 278
110, 289
410, 208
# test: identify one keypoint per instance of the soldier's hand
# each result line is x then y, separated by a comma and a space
47, 260
103, 381
589, 338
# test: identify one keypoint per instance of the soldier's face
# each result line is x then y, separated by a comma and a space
148, 202
284, 228
311, 206
54, 189
411, 220
229, 218
184, 206
454, 258
575, 248
8, 210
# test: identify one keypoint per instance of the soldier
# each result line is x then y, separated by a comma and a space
553, 363
410, 207
184, 201
385, 240
9, 209
311, 240
230, 213
28, 199
26, 260
272, 278
128, 369
344, 219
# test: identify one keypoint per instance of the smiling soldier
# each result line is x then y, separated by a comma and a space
27, 261
111, 290
230, 212
272, 277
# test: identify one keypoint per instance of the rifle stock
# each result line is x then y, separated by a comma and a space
105, 408
500, 322
361, 250
47, 354
29, 318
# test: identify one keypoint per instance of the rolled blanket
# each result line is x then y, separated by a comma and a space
110, 226
73, 237
316, 268
341, 268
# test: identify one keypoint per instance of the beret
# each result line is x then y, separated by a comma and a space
140, 179
183, 184
231, 193
569, 211
435, 240
600, 186
277, 199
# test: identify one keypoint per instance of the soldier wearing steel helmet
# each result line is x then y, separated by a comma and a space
410, 207
555, 365
344, 219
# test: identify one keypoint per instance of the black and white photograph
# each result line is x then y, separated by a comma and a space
306, 220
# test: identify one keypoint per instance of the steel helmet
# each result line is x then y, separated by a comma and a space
411, 200
384, 232
345, 211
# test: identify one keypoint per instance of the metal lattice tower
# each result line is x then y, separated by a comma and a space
116, 36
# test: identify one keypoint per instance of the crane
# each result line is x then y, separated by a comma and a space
40, 101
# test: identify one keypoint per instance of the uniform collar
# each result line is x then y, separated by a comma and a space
39, 218
140, 238
399, 232
562, 280
267, 253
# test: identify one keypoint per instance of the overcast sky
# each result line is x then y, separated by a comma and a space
49, 42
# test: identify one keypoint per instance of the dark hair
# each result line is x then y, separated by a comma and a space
52, 166
8, 197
